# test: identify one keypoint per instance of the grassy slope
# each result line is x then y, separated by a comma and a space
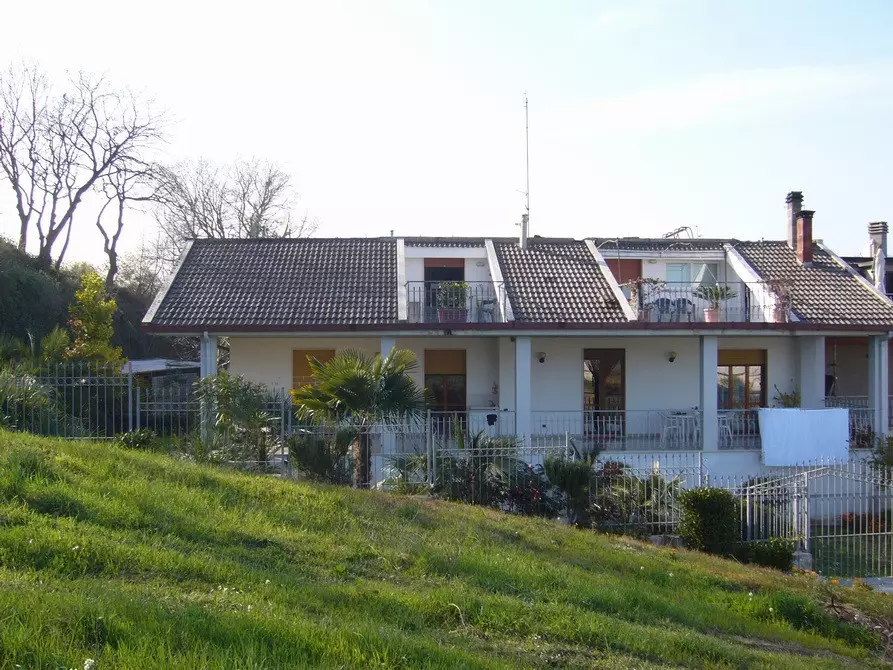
137, 560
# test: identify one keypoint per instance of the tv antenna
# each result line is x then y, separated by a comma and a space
527, 152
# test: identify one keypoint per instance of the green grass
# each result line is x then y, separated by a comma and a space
138, 560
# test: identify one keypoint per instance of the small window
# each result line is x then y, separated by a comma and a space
678, 273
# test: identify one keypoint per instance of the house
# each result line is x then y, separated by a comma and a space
628, 344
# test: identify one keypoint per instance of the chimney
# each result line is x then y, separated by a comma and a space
804, 236
877, 233
794, 202
525, 222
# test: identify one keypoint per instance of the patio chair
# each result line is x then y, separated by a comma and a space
674, 426
725, 426
684, 308
486, 307
663, 307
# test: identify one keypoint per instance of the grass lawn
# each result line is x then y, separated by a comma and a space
137, 560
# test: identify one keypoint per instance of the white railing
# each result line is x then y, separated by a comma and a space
738, 429
622, 430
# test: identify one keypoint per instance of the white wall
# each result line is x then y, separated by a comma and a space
782, 358
481, 363
268, 360
652, 382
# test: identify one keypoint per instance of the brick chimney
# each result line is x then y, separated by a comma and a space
794, 202
877, 233
803, 245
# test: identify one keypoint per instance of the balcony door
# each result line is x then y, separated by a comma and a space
445, 380
437, 271
604, 379
604, 392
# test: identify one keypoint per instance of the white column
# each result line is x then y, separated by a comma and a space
208, 355
388, 437
506, 379
523, 407
707, 399
388, 344
812, 372
207, 365
878, 383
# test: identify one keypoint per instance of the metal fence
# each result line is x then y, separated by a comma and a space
840, 512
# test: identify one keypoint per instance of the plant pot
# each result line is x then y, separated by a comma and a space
780, 315
711, 314
452, 314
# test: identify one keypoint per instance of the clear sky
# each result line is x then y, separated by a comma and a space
645, 115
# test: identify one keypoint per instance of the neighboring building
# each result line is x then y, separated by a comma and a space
627, 343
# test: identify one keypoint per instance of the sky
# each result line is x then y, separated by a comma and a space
645, 115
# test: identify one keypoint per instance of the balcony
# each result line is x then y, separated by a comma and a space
733, 302
454, 302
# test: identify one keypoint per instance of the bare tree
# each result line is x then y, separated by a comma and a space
56, 149
123, 189
141, 270
250, 198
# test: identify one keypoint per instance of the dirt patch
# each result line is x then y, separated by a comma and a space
782, 647
849, 614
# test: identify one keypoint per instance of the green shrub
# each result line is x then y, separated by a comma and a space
143, 439
775, 553
709, 520
573, 479
322, 458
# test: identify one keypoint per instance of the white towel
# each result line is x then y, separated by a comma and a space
797, 436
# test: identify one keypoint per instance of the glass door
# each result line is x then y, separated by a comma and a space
604, 391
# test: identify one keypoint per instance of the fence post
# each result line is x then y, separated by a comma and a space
129, 396
429, 439
748, 519
805, 513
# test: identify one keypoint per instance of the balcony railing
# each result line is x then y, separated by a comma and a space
623, 430
456, 302
668, 302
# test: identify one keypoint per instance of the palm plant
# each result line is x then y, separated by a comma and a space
715, 295
358, 390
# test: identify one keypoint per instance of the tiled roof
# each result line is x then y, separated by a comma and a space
444, 241
823, 293
282, 282
607, 244
556, 281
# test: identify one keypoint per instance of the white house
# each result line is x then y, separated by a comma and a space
630, 344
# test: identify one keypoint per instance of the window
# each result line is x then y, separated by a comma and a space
741, 378
699, 274
300, 364
679, 273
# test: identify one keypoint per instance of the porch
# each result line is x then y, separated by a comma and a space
645, 393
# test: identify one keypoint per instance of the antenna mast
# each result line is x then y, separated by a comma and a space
527, 150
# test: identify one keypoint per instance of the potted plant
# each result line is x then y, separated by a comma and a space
639, 294
714, 295
452, 306
782, 289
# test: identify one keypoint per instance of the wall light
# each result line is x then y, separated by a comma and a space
671, 356
541, 356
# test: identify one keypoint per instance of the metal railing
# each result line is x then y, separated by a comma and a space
669, 302
623, 430
738, 429
858, 402
456, 302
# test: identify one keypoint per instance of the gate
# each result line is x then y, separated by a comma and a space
840, 513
